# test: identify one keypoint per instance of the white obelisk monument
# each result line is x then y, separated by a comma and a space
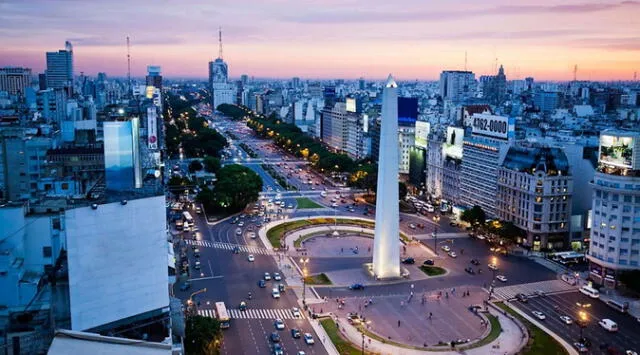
386, 243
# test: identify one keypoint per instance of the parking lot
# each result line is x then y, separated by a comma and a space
566, 304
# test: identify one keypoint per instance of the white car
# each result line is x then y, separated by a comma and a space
453, 254
277, 277
446, 248
251, 258
501, 278
267, 276
412, 226
252, 235
566, 320
334, 205
275, 293
308, 338
240, 224
493, 266
279, 324
430, 209
296, 312
539, 315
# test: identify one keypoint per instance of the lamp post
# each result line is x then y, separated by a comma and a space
304, 262
436, 219
190, 300
582, 321
494, 261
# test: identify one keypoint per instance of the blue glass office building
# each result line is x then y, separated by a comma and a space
122, 155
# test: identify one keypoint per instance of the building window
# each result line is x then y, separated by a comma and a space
47, 252
627, 198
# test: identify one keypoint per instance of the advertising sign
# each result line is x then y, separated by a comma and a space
351, 104
422, 133
493, 126
452, 147
617, 150
152, 128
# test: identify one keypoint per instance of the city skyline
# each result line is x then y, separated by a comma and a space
285, 39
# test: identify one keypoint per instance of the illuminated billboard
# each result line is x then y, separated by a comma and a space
618, 150
422, 133
351, 104
452, 147
493, 126
152, 131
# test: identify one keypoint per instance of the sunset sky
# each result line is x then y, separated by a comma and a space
414, 39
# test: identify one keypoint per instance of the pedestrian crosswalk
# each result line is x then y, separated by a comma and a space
229, 246
250, 313
550, 286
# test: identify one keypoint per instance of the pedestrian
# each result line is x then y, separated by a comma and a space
446, 295
430, 315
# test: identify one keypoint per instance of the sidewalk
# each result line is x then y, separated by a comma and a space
510, 341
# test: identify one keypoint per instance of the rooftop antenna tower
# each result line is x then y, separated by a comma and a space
129, 65
220, 42
465, 60
635, 76
575, 72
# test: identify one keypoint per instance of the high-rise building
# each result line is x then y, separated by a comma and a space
483, 151
615, 227
59, 71
222, 91
122, 155
295, 82
406, 141
15, 80
494, 88
361, 84
546, 101
333, 125
457, 85
535, 188
153, 76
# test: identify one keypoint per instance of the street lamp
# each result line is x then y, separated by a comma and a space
494, 261
582, 321
436, 219
190, 300
304, 262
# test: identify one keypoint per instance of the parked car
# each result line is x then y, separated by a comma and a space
539, 315
470, 270
409, 261
428, 262
356, 286
452, 254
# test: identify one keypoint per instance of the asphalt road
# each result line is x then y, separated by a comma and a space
625, 339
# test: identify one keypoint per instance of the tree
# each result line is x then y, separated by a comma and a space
475, 216
208, 199
194, 166
631, 279
203, 335
236, 186
177, 184
402, 189
212, 164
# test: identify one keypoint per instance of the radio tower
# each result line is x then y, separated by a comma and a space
465, 60
575, 72
129, 67
220, 42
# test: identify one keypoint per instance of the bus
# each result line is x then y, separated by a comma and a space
622, 307
590, 291
187, 217
223, 315
568, 257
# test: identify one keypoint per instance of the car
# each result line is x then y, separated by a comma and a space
279, 324
470, 270
409, 261
295, 333
267, 276
296, 312
580, 347
501, 278
412, 226
239, 231
236, 250
252, 235
356, 286
522, 297
608, 325
243, 306
240, 224
428, 262
275, 337
334, 205
566, 320
481, 237
251, 258
185, 286
631, 352
262, 284
301, 353
277, 349
539, 315
493, 266
275, 293
308, 338
475, 262
452, 254
197, 266
539, 293
276, 276
446, 248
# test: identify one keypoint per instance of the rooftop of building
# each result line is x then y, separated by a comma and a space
552, 161
72, 342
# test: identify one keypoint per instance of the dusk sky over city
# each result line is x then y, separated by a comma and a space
414, 39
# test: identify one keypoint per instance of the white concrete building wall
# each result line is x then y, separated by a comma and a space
117, 258
406, 140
